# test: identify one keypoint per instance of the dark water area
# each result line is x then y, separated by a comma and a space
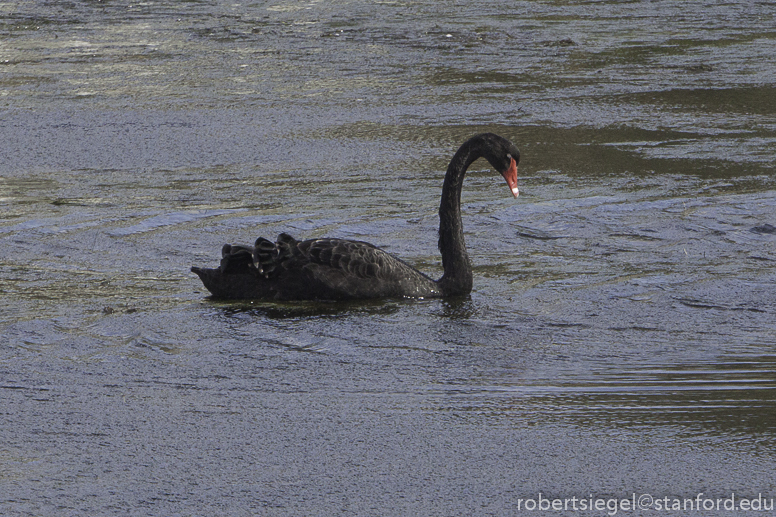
621, 335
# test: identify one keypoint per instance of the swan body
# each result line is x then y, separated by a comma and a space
340, 269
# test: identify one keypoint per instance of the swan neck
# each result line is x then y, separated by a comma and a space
457, 278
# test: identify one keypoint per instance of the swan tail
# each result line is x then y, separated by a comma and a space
233, 286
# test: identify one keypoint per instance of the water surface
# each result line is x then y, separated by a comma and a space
620, 336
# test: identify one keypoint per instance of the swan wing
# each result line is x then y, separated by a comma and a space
322, 269
339, 268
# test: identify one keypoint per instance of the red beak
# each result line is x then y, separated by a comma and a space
511, 176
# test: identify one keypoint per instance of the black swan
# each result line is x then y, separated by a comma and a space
339, 269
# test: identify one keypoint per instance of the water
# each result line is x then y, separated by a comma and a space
620, 336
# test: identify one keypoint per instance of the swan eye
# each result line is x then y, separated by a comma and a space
509, 157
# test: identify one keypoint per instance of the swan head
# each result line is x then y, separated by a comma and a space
504, 157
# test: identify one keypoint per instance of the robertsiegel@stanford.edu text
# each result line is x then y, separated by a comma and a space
612, 505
